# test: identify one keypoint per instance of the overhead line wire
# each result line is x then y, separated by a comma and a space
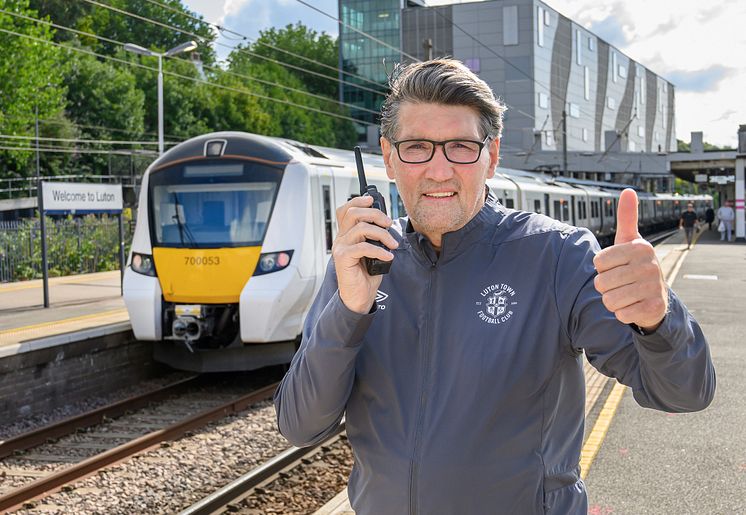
222, 29
80, 140
262, 81
62, 150
220, 86
238, 48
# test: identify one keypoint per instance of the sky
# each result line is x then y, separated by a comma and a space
700, 47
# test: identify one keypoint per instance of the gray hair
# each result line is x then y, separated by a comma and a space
440, 81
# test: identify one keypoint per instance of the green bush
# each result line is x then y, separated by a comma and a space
75, 245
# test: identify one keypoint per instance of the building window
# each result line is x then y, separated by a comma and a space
591, 44
660, 100
547, 18
543, 100
585, 138
510, 25
574, 110
540, 27
613, 66
610, 103
642, 90
622, 71
631, 146
578, 47
641, 131
586, 83
655, 136
550, 138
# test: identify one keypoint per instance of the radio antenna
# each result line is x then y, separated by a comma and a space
360, 171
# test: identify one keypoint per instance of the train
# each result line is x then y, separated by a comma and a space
234, 232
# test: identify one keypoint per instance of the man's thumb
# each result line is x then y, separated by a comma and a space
626, 217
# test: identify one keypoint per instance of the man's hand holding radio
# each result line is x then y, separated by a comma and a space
356, 222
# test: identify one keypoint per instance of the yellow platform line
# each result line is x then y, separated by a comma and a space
5, 333
600, 428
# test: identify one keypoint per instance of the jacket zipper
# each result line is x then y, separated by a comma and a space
414, 466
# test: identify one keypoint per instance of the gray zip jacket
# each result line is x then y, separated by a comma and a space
463, 389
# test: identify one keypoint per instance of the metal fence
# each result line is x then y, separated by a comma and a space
74, 246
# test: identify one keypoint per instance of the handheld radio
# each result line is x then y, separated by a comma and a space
372, 265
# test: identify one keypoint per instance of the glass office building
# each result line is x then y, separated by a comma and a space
368, 60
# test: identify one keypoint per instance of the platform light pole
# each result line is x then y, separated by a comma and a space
137, 49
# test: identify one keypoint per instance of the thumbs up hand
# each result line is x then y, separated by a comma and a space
629, 275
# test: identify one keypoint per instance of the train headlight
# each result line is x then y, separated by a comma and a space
143, 264
273, 261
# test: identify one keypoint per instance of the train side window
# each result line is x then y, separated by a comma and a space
557, 210
537, 206
509, 203
581, 208
594, 209
396, 206
328, 218
565, 211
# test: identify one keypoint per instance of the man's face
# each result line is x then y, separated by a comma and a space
690, 208
463, 185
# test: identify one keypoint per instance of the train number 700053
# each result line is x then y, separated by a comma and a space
202, 260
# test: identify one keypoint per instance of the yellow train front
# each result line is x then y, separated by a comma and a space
217, 276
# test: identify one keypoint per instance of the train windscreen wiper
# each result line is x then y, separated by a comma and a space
183, 227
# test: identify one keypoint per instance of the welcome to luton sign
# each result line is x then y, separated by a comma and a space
81, 198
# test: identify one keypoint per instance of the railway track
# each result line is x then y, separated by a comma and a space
56, 460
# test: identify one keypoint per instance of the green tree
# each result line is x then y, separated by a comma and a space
30, 81
318, 49
102, 94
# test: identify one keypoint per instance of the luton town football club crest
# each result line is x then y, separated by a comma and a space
496, 303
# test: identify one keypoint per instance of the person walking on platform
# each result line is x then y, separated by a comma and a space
709, 217
688, 221
460, 372
726, 216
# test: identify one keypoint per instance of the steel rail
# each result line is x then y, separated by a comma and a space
242, 487
47, 485
70, 425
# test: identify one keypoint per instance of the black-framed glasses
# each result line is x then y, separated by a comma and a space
458, 151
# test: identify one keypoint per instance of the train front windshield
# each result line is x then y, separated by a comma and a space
212, 204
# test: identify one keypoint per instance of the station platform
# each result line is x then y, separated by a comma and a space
85, 306
636, 460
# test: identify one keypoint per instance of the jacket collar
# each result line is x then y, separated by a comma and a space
455, 242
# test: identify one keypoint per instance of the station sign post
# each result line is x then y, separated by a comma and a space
62, 198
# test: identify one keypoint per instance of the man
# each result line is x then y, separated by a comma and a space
687, 221
466, 393
726, 215
709, 217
